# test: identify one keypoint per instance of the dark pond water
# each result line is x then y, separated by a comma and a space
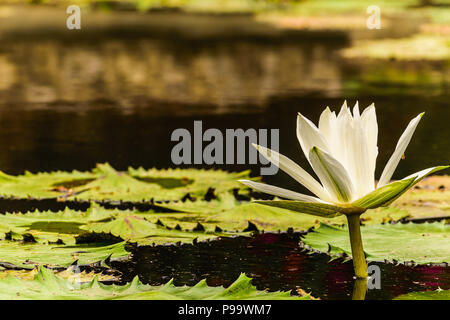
69, 103
275, 262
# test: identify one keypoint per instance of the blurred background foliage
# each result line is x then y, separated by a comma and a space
294, 6
138, 69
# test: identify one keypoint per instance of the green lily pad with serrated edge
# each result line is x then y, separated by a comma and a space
105, 183
421, 243
42, 185
225, 201
202, 180
47, 285
267, 218
60, 238
28, 255
135, 228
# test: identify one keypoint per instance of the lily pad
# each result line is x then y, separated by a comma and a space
47, 226
263, 217
421, 243
105, 183
58, 239
224, 201
269, 219
43, 184
29, 255
137, 229
430, 198
46, 285
418, 47
426, 295
70, 273
221, 181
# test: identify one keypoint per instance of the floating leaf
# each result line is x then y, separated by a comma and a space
418, 47
44, 184
202, 180
430, 198
136, 229
267, 218
315, 209
46, 285
69, 273
59, 238
224, 202
28, 255
238, 218
426, 295
421, 243
105, 183
50, 226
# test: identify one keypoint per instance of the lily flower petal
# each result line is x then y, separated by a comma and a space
315, 209
383, 195
369, 122
357, 155
343, 133
332, 174
309, 136
326, 124
356, 113
387, 194
280, 192
295, 171
399, 151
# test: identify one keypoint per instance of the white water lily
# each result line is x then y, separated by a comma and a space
342, 151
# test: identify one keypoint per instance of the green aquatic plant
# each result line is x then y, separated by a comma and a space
106, 183
342, 151
48, 286
417, 243
437, 294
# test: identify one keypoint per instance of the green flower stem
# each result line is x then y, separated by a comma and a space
359, 259
359, 289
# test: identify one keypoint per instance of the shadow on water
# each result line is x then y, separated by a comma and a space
275, 262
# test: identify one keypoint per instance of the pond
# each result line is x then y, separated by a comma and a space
275, 262
69, 103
